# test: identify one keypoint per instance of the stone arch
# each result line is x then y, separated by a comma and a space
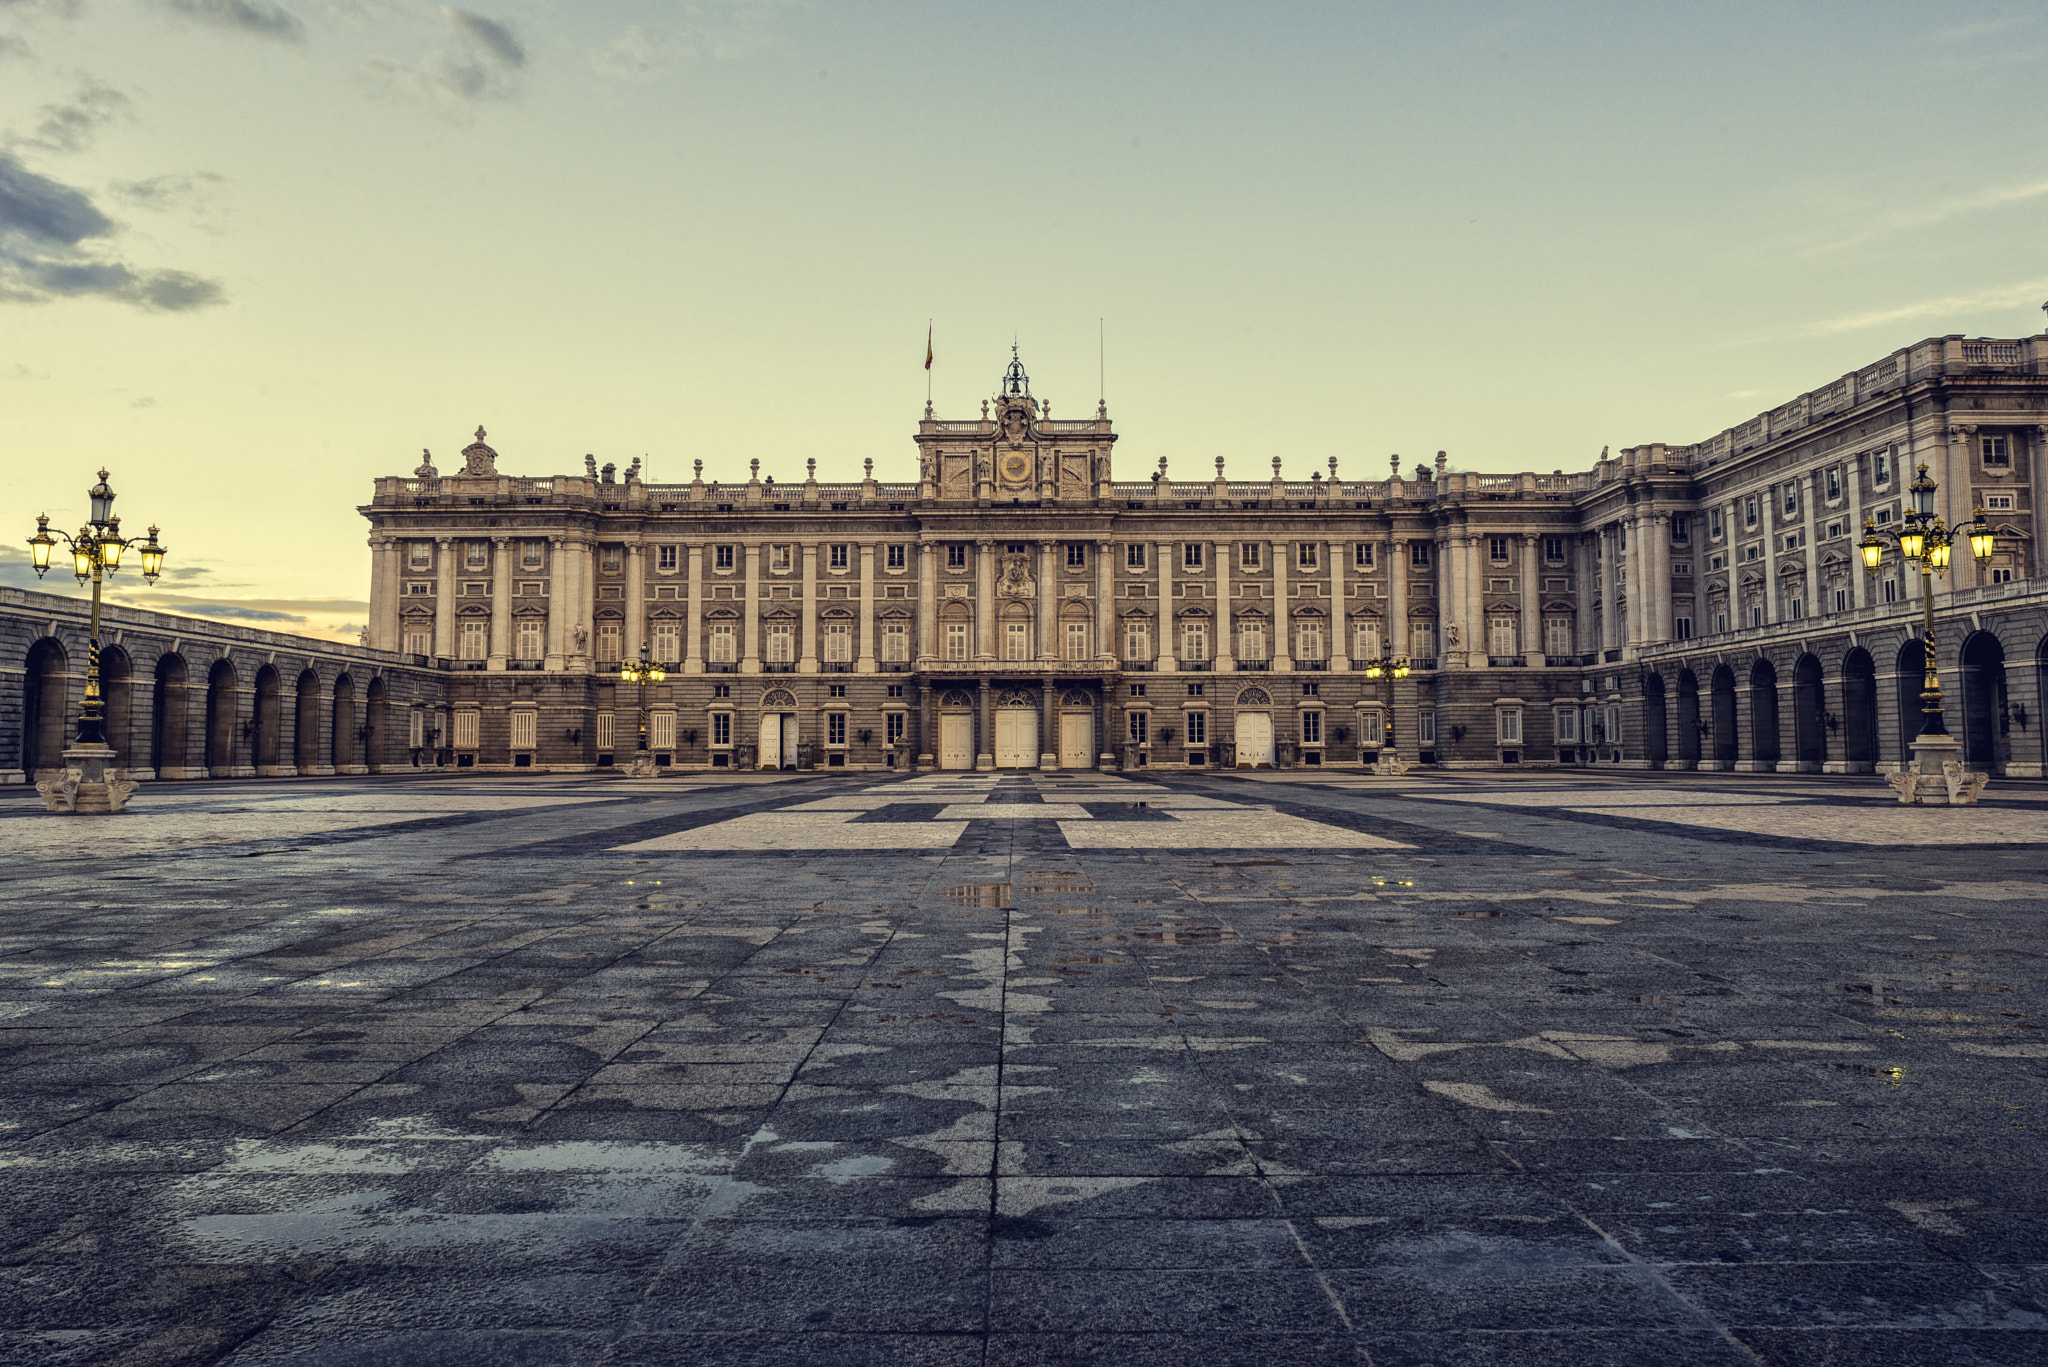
167, 723
117, 687
269, 719
223, 694
1809, 715
1859, 711
1912, 673
374, 721
1076, 697
1764, 747
46, 697
1721, 694
306, 724
1688, 719
344, 741
1981, 691
778, 700
1254, 697
1656, 727
957, 698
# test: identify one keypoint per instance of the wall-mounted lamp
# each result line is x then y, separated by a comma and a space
1165, 734
573, 734
1457, 733
248, 729
1705, 729
1342, 733
1831, 721
2019, 715
864, 736
690, 735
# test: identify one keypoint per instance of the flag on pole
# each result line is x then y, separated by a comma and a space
927, 346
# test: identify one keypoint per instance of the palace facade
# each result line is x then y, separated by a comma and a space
1020, 606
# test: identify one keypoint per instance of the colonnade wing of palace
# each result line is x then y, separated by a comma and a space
1018, 606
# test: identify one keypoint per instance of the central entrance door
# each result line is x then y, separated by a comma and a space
1016, 732
1077, 731
779, 746
1255, 740
956, 730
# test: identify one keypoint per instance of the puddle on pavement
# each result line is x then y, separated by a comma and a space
1251, 864
1055, 882
1476, 915
977, 894
1185, 935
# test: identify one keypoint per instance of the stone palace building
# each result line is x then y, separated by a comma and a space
1020, 606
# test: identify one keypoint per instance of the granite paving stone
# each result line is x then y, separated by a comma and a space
1025, 1068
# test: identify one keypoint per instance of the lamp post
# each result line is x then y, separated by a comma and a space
95, 555
642, 673
1387, 668
1925, 544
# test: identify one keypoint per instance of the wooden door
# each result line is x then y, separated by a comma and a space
956, 740
1255, 740
792, 743
771, 740
1016, 738
1077, 740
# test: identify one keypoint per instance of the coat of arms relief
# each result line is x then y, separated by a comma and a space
1016, 581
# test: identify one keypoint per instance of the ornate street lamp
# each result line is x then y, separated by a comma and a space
95, 555
1387, 668
642, 673
1925, 544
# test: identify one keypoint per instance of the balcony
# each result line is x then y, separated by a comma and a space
779, 667
1423, 662
721, 667
520, 664
1195, 666
895, 667
1137, 666
1504, 661
837, 667
1312, 664
1253, 666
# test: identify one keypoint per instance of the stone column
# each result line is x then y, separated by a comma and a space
1048, 737
1224, 652
807, 647
1283, 616
1955, 502
1338, 651
580, 595
1770, 532
1532, 606
750, 624
985, 740
1658, 528
636, 601
1166, 650
444, 596
501, 601
927, 725
1852, 476
1397, 595
386, 633
865, 657
1105, 601
1447, 602
558, 599
1636, 618
1475, 597
1612, 632
1733, 566
693, 620
1586, 553
985, 602
927, 607
1048, 594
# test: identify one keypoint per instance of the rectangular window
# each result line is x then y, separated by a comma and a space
1682, 628
1791, 499
956, 640
1418, 553
1756, 615
1366, 641
1306, 555
606, 730
1995, 452
1140, 727
1613, 726
835, 728
1681, 528
838, 642
1251, 555
722, 652
1311, 728
1833, 478
1137, 690
895, 642
1881, 467
1998, 503
610, 560
1841, 602
956, 556
1425, 726
2002, 575
419, 642
1134, 556
1891, 591
1882, 516
836, 557
1309, 641
1077, 555
1557, 637
1500, 636
721, 728
781, 644
1497, 549
1798, 608
476, 640
1681, 569
666, 640
1251, 641
465, 730
1714, 522
1016, 640
1191, 556
1509, 722
532, 554
721, 690
1422, 640
1567, 720
608, 642
1198, 728
722, 557
1361, 555
416, 732
1077, 640
523, 728
1137, 641
1720, 621
1749, 512
665, 559
420, 555
476, 554
894, 558
892, 727
530, 643
661, 730
781, 559
1553, 548
1194, 641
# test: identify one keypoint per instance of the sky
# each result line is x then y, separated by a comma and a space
256, 253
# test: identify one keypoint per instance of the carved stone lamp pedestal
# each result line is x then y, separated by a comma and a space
641, 766
89, 784
1937, 778
1390, 764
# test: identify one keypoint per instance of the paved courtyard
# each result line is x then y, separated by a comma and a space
963, 1069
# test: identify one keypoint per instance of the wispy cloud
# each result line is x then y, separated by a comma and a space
1907, 220
715, 30
482, 64
72, 125
2025, 294
258, 18
52, 246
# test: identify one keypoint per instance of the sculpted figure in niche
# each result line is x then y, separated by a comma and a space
1451, 635
1016, 581
582, 638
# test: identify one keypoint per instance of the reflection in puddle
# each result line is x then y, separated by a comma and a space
977, 894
